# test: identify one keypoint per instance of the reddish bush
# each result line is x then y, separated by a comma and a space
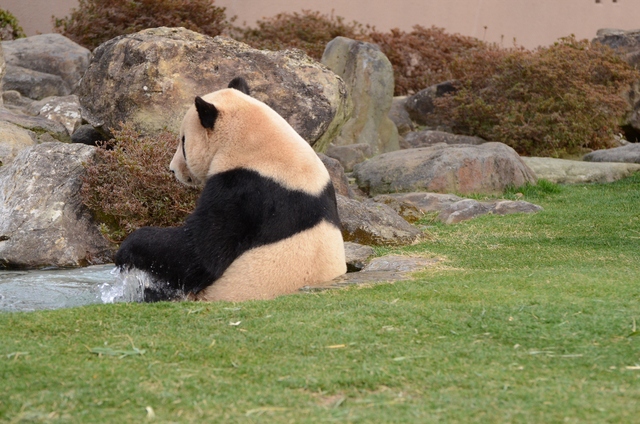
130, 186
422, 57
553, 101
95, 21
308, 31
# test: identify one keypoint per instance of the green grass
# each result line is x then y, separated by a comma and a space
528, 318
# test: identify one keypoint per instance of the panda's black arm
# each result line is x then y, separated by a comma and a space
166, 254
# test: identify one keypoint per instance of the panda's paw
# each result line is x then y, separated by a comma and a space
161, 291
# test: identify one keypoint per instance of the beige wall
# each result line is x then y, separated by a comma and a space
35, 16
530, 22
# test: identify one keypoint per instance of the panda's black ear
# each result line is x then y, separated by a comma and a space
240, 84
207, 113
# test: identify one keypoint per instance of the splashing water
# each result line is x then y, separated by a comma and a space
128, 286
66, 288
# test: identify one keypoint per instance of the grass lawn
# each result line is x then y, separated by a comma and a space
528, 318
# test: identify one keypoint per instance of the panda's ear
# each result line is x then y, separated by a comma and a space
240, 84
207, 113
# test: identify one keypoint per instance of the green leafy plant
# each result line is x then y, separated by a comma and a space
129, 185
96, 21
553, 101
9, 27
309, 31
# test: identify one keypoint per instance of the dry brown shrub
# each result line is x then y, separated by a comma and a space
95, 21
553, 101
129, 185
422, 57
309, 31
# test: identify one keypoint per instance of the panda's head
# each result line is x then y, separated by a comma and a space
208, 123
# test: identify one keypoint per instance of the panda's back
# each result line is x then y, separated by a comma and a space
267, 144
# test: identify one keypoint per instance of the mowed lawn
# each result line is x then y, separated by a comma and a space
527, 318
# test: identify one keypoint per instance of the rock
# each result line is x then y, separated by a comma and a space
13, 139
462, 211
398, 263
3, 70
453, 209
51, 54
399, 115
468, 209
14, 98
628, 154
374, 224
34, 84
563, 171
43, 222
46, 129
150, 78
386, 269
406, 210
65, 110
369, 78
488, 168
625, 42
338, 178
88, 135
349, 155
429, 138
507, 207
424, 202
357, 256
420, 106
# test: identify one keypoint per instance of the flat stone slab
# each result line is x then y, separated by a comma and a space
385, 269
564, 171
452, 209
357, 255
626, 154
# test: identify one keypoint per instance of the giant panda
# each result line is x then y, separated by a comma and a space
266, 222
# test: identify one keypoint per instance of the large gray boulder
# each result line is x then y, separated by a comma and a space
51, 54
488, 168
42, 219
564, 171
369, 78
374, 224
628, 154
150, 78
